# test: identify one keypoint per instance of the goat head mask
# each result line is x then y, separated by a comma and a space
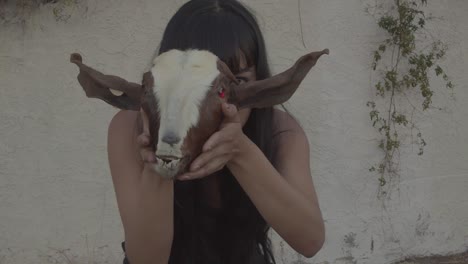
182, 94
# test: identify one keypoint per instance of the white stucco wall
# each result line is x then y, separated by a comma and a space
57, 203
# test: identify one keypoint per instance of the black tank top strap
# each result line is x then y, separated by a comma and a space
125, 261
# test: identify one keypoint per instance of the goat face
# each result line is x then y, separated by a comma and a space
187, 95
182, 95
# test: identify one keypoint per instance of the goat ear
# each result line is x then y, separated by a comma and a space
149, 103
277, 89
97, 85
224, 69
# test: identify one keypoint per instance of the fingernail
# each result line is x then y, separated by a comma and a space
184, 178
195, 167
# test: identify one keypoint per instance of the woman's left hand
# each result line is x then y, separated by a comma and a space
220, 148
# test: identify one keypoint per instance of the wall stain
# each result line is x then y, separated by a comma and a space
350, 240
20, 11
461, 258
299, 262
345, 260
422, 225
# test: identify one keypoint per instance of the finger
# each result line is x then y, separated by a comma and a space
210, 168
148, 155
205, 157
145, 120
214, 140
226, 134
230, 113
143, 140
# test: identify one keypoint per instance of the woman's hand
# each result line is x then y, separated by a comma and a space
146, 152
220, 148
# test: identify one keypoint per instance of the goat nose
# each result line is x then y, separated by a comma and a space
170, 138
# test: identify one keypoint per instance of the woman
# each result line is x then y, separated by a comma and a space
254, 172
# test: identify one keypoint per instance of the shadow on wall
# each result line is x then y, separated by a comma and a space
18, 11
92, 255
453, 259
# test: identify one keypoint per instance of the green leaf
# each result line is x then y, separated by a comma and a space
382, 47
450, 85
438, 70
374, 114
381, 145
377, 56
421, 22
371, 104
382, 181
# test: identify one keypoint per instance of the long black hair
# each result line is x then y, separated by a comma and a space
237, 233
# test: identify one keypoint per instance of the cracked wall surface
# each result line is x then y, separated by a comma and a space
57, 204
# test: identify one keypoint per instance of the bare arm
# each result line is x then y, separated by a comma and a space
285, 197
144, 199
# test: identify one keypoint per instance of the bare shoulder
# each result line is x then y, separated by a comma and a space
123, 125
290, 140
286, 125
121, 142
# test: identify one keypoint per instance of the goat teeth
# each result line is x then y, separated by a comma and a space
166, 164
116, 92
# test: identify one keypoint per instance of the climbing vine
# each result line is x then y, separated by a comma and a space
405, 67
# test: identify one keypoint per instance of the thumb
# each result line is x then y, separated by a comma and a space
144, 119
230, 112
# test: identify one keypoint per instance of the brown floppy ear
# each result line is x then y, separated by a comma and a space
98, 85
277, 89
149, 104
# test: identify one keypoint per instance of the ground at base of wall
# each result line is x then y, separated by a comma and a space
453, 259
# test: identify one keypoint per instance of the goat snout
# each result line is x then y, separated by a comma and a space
170, 138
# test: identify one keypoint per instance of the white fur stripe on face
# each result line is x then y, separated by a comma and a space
181, 82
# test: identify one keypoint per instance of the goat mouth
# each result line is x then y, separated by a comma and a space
171, 166
167, 158
168, 162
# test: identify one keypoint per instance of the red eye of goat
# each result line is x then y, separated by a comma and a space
221, 92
